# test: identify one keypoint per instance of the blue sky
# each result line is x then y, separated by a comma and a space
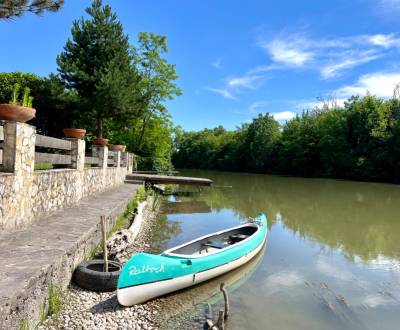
236, 59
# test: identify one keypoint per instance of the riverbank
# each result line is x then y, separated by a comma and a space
92, 310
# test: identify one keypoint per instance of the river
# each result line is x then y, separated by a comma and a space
332, 260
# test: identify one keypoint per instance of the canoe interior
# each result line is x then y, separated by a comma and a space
216, 242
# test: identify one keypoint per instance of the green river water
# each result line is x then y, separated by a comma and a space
332, 260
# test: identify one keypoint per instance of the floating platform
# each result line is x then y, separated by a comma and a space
166, 179
155, 172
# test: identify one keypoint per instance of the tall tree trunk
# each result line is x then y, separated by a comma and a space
99, 127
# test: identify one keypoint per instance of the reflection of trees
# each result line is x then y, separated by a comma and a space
164, 230
360, 218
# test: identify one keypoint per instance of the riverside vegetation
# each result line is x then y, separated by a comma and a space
118, 90
360, 140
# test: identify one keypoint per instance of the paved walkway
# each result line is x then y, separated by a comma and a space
50, 249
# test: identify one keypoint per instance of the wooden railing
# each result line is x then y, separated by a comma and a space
53, 152
43, 141
91, 160
1, 144
112, 162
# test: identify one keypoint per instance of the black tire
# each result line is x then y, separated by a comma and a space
89, 275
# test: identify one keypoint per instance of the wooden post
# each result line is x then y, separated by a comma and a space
221, 320
104, 235
211, 325
226, 299
209, 312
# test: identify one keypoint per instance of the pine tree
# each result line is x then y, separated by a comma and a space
97, 62
16, 8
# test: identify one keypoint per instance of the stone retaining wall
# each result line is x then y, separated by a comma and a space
26, 194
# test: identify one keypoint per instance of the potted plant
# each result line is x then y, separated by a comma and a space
75, 133
18, 109
116, 147
99, 141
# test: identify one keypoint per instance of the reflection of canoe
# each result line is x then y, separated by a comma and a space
191, 301
146, 276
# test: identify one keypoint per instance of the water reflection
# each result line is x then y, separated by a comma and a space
332, 260
360, 218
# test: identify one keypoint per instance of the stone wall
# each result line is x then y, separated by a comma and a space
26, 194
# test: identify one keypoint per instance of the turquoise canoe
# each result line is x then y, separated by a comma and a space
146, 276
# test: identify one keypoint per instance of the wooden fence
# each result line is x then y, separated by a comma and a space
55, 158
1, 144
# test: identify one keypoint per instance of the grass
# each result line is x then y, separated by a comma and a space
56, 300
121, 222
156, 196
43, 166
24, 325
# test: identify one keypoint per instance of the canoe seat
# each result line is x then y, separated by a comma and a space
215, 245
237, 238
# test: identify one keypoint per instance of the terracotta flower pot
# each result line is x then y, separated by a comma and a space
99, 141
116, 147
75, 133
15, 112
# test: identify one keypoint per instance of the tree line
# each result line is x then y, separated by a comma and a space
107, 85
360, 140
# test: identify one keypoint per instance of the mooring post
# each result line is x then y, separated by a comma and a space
104, 235
211, 325
221, 320
226, 299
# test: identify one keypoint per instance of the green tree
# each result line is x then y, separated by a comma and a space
97, 63
16, 8
157, 81
260, 138
56, 107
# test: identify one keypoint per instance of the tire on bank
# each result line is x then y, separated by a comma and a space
90, 275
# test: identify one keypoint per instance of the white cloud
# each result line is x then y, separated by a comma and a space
283, 279
257, 105
380, 84
289, 51
347, 61
331, 57
283, 115
390, 5
247, 81
384, 40
328, 268
217, 63
376, 300
235, 85
222, 91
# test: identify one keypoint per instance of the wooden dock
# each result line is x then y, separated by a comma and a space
166, 179
155, 172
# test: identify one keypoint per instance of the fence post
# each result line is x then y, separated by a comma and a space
77, 154
124, 160
117, 158
19, 148
101, 152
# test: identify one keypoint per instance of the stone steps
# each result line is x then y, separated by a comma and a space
49, 250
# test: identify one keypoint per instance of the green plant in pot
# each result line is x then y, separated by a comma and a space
19, 108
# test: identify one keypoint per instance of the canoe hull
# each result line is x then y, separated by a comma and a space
137, 294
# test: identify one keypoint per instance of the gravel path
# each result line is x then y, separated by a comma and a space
91, 310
